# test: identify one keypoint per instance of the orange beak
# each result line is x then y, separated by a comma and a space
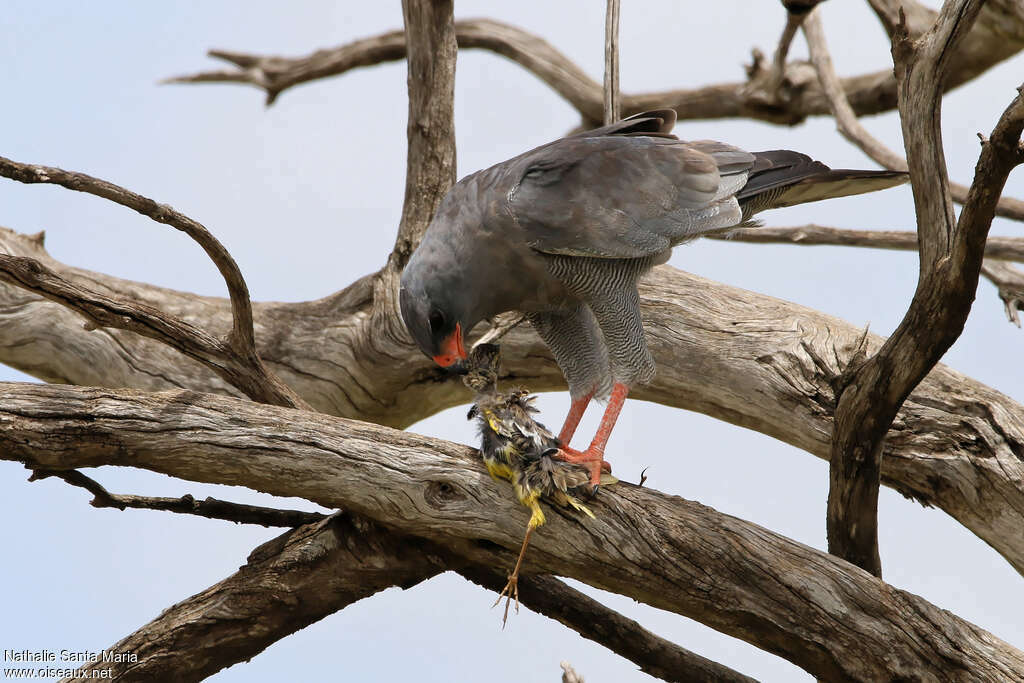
452, 350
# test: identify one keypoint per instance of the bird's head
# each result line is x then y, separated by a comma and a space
464, 270
434, 316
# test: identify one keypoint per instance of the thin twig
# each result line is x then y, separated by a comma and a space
501, 324
846, 119
235, 359
241, 336
1008, 280
1010, 283
211, 508
796, 12
569, 674
851, 129
1005, 248
612, 109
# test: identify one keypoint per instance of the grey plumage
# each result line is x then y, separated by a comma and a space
564, 231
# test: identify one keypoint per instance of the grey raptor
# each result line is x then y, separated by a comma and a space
563, 232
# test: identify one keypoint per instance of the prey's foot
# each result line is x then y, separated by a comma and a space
592, 459
510, 592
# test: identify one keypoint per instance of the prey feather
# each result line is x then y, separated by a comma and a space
518, 449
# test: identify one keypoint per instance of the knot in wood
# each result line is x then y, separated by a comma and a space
441, 493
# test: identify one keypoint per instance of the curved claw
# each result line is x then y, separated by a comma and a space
591, 458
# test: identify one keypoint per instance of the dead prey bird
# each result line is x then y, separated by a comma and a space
517, 448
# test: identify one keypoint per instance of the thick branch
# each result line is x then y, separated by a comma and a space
992, 42
287, 584
872, 392
430, 163
124, 314
815, 610
378, 549
736, 355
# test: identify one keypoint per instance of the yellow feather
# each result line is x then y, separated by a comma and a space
499, 470
580, 506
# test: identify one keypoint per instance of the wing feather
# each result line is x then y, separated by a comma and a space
617, 196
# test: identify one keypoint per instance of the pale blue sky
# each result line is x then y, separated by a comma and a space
307, 195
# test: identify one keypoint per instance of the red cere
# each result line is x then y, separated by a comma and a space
452, 349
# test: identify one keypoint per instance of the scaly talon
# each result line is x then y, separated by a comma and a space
592, 459
509, 592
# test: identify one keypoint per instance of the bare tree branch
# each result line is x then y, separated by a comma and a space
430, 163
811, 234
871, 393
738, 356
377, 549
991, 43
1010, 283
235, 359
287, 584
612, 108
544, 595
823, 615
769, 86
654, 655
211, 508
846, 119
852, 130
103, 311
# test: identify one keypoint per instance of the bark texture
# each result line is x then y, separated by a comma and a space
736, 355
951, 251
815, 610
416, 506
286, 584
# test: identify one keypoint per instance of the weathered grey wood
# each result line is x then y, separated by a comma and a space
286, 584
736, 355
819, 612
998, 36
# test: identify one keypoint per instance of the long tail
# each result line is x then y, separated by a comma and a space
782, 177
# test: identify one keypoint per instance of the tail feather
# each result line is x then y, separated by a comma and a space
786, 178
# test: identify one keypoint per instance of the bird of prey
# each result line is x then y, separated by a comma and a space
517, 448
563, 232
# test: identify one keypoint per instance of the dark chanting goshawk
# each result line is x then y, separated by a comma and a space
563, 232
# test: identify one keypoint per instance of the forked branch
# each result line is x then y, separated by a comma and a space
870, 93
851, 129
235, 359
951, 253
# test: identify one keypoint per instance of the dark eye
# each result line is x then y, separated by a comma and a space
436, 320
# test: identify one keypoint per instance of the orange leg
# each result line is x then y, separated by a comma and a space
511, 590
593, 457
572, 420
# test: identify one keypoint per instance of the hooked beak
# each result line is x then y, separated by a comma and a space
453, 352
